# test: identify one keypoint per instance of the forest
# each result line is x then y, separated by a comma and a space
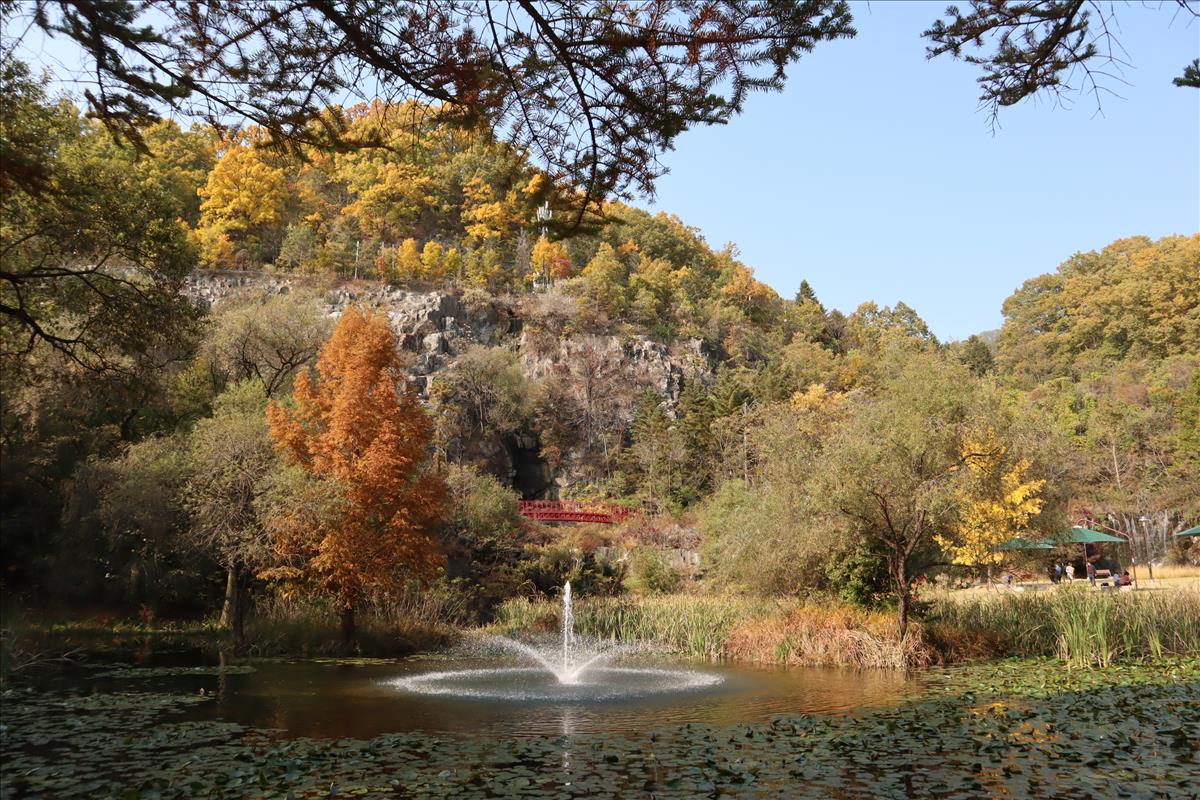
174, 460
363, 434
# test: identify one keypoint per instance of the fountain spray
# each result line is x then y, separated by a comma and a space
568, 629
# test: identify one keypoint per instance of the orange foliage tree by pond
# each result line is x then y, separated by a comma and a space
360, 432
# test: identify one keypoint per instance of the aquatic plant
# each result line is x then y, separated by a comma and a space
1011, 729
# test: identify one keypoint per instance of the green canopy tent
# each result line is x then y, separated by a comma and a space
1190, 532
1086, 536
1078, 535
1019, 543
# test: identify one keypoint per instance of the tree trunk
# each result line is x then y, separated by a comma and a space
348, 623
233, 611
903, 596
231, 590
238, 623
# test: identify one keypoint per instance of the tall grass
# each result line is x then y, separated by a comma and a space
309, 626
743, 628
1080, 625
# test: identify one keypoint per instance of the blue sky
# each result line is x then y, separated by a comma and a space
875, 177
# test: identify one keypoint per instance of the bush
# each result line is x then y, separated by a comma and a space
859, 575
649, 572
483, 538
548, 567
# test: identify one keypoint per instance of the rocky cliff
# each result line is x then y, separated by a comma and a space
437, 327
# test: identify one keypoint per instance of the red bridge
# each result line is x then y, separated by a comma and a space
573, 511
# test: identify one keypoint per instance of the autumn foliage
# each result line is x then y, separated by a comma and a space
356, 429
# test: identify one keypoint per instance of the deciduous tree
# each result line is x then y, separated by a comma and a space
230, 464
996, 504
360, 430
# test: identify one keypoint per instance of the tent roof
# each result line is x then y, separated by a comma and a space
1190, 532
1019, 543
1080, 535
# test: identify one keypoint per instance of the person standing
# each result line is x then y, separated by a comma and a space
1058, 572
1091, 573
1070, 573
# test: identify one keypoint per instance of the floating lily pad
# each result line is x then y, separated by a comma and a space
1013, 729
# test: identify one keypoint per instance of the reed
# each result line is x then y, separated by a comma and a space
742, 628
1082, 626
309, 626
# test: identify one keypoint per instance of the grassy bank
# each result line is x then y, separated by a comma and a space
310, 627
277, 626
1080, 627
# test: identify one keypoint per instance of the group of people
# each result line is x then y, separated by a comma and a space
1068, 571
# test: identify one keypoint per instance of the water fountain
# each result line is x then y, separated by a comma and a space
564, 672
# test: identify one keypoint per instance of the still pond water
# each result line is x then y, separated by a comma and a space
335, 699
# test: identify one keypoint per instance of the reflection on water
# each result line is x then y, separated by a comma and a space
362, 700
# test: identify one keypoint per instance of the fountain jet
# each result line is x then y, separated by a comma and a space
568, 668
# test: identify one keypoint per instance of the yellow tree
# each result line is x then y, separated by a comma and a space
487, 215
606, 277
360, 432
996, 502
549, 260
408, 260
433, 262
243, 207
757, 300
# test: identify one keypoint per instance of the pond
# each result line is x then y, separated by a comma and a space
172, 727
364, 698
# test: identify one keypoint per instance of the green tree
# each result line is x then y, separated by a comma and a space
92, 258
892, 470
975, 353
142, 515
267, 338
483, 537
483, 396
657, 450
230, 462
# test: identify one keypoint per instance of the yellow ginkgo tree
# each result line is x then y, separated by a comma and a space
997, 501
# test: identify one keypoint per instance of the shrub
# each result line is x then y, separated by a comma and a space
649, 572
550, 566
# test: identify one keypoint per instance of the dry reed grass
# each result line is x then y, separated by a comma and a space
746, 629
812, 635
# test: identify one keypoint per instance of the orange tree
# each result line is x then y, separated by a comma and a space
358, 430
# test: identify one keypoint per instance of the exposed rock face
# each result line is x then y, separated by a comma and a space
209, 288
437, 327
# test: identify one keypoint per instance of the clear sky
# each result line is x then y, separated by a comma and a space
875, 177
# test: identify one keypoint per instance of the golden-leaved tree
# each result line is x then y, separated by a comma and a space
356, 428
996, 502
243, 208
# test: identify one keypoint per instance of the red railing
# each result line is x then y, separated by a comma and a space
573, 511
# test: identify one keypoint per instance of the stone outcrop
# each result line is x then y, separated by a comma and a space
437, 327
